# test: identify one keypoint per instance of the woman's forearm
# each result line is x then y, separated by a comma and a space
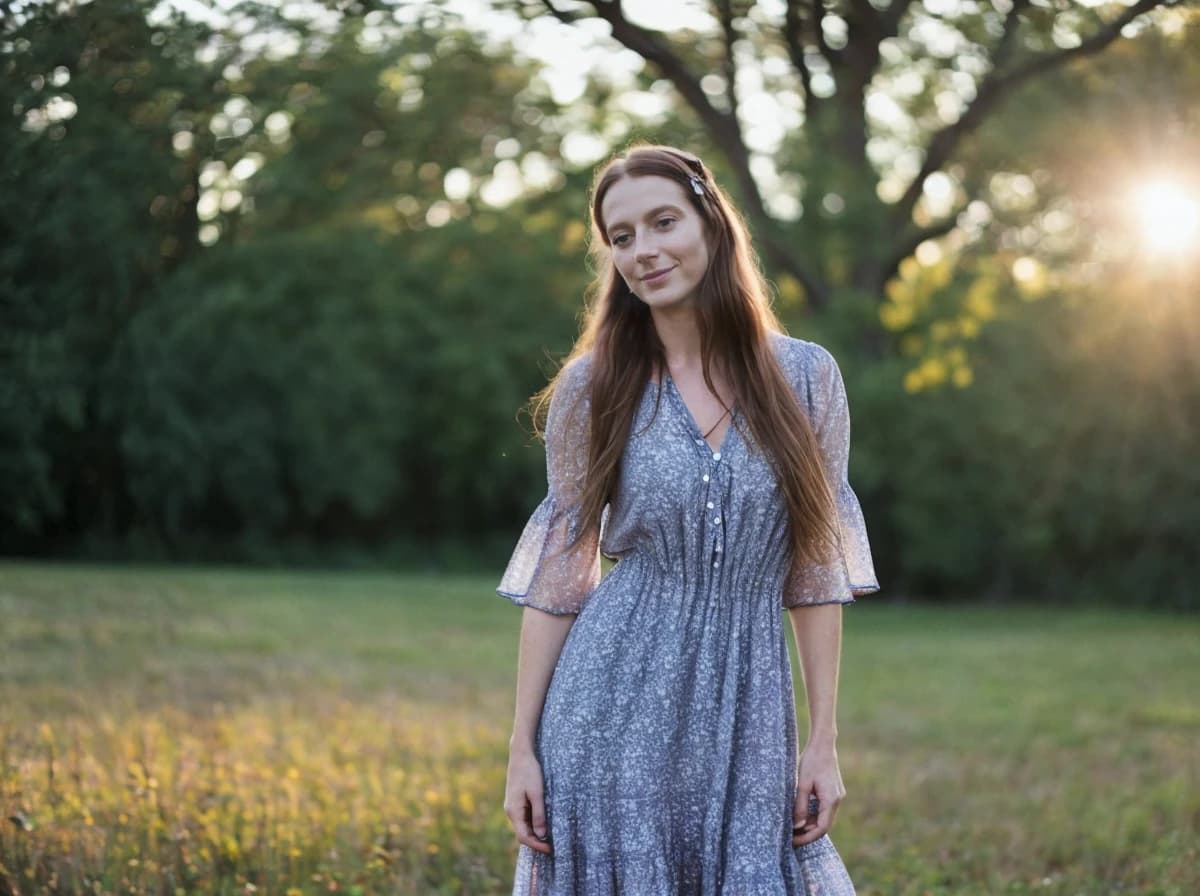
542, 638
818, 633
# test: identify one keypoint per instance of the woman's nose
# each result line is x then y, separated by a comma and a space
646, 250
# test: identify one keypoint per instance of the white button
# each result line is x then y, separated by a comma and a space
715, 565
710, 505
717, 549
705, 477
716, 455
716, 519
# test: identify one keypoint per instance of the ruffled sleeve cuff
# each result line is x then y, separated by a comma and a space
543, 573
852, 572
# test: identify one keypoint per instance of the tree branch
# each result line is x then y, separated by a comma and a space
997, 84
793, 38
891, 17
722, 128
651, 48
867, 14
861, 55
567, 18
1012, 22
908, 242
832, 56
729, 34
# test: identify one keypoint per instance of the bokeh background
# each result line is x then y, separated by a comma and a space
277, 277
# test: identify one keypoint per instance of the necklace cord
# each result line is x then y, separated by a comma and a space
714, 426
719, 419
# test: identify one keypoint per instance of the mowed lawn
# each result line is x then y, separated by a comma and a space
211, 731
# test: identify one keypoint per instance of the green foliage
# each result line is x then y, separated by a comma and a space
297, 387
91, 216
275, 394
256, 306
1063, 471
334, 369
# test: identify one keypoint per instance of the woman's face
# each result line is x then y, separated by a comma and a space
657, 239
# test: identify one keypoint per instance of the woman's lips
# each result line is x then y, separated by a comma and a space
657, 276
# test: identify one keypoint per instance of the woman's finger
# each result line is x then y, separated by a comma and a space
537, 813
805, 794
820, 822
825, 817
811, 831
804, 816
528, 827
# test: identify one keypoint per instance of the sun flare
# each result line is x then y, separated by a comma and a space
1168, 217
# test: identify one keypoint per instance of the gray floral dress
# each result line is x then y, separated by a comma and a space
668, 737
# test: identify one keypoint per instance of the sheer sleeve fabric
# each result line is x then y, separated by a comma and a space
851, 573
543, 572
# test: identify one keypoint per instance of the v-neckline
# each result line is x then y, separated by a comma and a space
691, 420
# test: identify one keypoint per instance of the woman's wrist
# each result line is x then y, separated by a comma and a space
520, 745
825, 738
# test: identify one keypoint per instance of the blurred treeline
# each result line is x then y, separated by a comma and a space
258, 304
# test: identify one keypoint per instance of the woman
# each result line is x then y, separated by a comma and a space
654, 747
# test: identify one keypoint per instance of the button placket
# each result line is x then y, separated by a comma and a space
714, 511
712, 476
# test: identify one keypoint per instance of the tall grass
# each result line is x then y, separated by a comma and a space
197, 731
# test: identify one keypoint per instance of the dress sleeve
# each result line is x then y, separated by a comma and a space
851, 573
543, 573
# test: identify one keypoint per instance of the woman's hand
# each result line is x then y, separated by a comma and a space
817, 775
524, 801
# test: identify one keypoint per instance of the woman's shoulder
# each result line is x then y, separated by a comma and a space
573, 380
576, 372
804, 363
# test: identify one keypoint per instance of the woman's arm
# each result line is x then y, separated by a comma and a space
542, 638
818, 633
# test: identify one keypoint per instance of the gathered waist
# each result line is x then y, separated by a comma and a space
677, 574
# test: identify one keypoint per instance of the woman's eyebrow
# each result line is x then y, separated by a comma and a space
657, 210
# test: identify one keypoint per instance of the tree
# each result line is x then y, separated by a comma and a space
235, 297
95, 209
840, 56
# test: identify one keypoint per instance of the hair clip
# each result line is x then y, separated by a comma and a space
697, 187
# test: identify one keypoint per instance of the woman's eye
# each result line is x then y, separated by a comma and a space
620, 239
666, 222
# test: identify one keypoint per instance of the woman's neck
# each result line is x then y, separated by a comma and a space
678, 330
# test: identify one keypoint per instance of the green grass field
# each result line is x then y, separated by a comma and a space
199, 731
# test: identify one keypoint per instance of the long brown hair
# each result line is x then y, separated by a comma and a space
735, 323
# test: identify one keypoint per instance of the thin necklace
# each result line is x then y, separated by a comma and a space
714, 426
719, 419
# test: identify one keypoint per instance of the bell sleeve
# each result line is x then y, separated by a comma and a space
851, 572
543, 572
